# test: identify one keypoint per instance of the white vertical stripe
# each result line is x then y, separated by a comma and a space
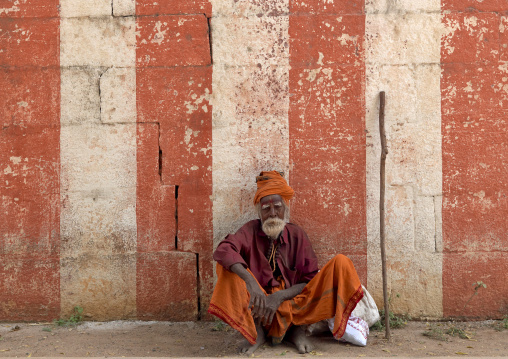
98, 160
403, 59
250, 104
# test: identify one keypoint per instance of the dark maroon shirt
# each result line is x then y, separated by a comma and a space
295, 257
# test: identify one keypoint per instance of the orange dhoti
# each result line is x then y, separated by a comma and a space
333, 292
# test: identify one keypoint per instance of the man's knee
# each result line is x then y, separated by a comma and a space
340, 260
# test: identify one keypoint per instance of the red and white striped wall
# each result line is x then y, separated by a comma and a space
132, 131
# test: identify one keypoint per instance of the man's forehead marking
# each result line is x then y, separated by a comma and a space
271, 199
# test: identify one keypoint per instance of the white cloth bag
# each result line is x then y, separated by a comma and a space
365, 315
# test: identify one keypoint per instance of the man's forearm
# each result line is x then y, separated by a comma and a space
285, 294
240, 270
291, 292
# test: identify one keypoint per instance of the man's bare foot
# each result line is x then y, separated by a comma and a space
247, 348
296, 335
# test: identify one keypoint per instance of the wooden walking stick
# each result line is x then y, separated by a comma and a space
384, 152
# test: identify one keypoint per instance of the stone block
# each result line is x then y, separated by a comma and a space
156, 222
98, 157
400, 219
194, 209
98, 222
80, 96
118, 95
415, 284
89, 8
29, 161
413, 124
104, 41
167, 286
503, 38
470, 38
246, 8
254, 41
428, 96
30, 288
414, 281
402, 6
30, 8
29, 223
322, 40
345, 7
30, 97
103, 285
460, 273
474, 208
403, 39
178, 99
29, 42
156, 203
425, 224
326, 103
166, 41
331, 216
479, 5
174, 7
415, 158
125, 7
475, 91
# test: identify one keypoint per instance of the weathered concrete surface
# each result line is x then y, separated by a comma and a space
174, 212
29, 161
403, 55
98, 161
474, 88
327, 127
250, 104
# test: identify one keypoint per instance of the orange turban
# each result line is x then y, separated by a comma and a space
272, 182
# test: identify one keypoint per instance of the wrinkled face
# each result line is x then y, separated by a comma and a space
271, 213
271, 206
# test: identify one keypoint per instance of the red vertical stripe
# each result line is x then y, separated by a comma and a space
174, 159
475, 159
327, 127
30, 161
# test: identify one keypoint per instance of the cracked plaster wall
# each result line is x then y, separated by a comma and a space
98, 158
128, 111
250, 104
403, 40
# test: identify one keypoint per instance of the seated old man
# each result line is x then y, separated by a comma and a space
269, 283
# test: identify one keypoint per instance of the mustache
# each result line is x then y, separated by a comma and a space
273, 227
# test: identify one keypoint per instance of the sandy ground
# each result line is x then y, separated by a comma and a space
214, 339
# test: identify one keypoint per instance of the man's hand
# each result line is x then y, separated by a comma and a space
257, 301
272, 303
263, 307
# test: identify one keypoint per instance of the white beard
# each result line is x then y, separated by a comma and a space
273, 227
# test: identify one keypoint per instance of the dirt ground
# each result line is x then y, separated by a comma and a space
215, 339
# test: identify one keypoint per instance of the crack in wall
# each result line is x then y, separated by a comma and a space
160, 151
198, 289
438, 223
435, 226
176, 217
101, 73
208, 20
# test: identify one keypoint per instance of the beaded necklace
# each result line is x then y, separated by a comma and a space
272, 254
